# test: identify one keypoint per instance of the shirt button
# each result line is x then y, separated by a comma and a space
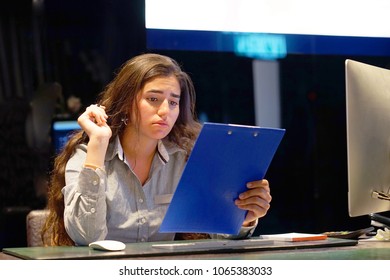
143, 220
95, 182
93, 210
140, 200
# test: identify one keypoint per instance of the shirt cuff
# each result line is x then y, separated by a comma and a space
245, 232
92, 182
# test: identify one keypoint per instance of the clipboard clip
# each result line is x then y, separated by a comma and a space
255, 134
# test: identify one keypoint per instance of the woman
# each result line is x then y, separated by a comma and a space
114, 180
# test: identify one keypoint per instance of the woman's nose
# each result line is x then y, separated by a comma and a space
163, 109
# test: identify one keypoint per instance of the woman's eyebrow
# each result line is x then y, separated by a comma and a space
174, 95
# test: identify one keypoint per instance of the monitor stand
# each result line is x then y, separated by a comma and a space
382, 220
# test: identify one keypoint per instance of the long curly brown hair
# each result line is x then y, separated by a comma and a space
119, 94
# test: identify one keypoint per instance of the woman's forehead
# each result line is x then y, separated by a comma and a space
171, 82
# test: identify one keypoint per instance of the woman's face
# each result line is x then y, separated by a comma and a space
159, 107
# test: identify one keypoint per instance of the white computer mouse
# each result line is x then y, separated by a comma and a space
108, 245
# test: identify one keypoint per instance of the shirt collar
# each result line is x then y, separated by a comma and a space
164, 150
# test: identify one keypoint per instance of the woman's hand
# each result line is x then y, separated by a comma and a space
94, 122
256, 200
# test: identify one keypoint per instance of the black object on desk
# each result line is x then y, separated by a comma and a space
381, 219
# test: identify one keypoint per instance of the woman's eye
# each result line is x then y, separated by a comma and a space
153, 99
173, 103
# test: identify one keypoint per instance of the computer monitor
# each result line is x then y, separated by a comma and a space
61, 131
368, 138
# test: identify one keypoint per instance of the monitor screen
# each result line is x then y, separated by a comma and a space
368, 138
270, 29
61, 131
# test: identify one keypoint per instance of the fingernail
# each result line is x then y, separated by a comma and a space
249, 185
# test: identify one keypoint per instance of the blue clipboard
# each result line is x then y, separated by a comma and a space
224, 158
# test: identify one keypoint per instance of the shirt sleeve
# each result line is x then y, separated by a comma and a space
85, 200
245, 232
